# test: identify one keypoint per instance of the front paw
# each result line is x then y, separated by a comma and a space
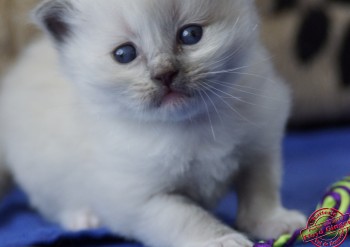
79, 220
281, 221
231, 240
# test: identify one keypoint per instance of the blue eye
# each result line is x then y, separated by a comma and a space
191, 34
125, 54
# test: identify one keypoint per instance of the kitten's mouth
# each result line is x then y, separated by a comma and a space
173, 97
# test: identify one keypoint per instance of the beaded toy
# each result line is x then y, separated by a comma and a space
337, 197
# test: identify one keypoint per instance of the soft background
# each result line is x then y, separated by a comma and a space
309, 41
309, 45
15, 29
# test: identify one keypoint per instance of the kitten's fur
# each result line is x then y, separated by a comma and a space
94, 148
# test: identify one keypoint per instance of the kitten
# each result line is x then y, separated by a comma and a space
160, 107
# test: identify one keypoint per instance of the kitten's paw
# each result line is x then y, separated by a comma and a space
80, 220
281, 222
232, 240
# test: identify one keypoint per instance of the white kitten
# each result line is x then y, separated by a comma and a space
161, 106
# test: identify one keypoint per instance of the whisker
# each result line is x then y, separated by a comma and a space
209, 118
236, 98
246, 87
256, 75
231, 54
230, 107
212, 102
233, 69
233, 86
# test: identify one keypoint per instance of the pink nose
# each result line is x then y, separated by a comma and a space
166, 78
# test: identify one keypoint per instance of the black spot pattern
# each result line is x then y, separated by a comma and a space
345, 59
339, 1
283, 5
313, 34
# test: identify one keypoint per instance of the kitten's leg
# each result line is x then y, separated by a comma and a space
174, 221
260, 210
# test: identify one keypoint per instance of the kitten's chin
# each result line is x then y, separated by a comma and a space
174, 106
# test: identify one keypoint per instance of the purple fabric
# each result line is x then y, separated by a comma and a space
294, 238
348, 191
343, 188
265, 244
336, 196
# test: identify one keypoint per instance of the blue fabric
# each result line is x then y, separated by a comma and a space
313, 161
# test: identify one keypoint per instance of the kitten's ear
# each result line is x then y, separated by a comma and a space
53, 16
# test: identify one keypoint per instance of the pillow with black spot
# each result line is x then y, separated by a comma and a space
15, 29
310, 45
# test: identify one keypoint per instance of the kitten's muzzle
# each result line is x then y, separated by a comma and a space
166, 78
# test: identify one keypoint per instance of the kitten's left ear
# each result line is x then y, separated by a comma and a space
54, 17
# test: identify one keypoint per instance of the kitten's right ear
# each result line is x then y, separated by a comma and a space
53, 16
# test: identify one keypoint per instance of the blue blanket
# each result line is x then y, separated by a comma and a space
313, 161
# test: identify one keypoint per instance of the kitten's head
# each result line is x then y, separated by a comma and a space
155, 59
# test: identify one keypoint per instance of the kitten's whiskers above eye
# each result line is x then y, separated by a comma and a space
230, 55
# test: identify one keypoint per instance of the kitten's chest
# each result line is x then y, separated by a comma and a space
206, 180
201, 170
190, 161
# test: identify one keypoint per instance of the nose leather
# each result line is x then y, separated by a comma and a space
166, 78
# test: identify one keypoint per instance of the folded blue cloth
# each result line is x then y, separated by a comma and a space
313, 161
